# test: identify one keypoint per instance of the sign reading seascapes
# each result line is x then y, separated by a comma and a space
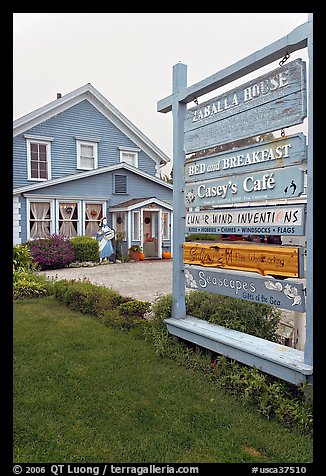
277, 153
272, 101
264, 259
281, 294
277, 220
277, 183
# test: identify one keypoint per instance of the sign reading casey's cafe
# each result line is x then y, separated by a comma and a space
286, 182
264, 259
273, 101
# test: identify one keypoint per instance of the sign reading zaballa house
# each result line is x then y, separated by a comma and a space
272, 292
276, 220
272, 101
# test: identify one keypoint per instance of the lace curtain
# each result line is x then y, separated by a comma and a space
40, 226
67, 227
93, 215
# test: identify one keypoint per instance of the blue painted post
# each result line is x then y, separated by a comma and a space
178, 112
308, 349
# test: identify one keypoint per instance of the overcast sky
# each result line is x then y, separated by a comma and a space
128, 57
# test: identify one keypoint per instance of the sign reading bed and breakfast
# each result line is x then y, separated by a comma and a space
281, 152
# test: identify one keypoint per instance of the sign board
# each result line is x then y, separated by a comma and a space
268, 103
274, 260
282, 294
278, 183
276, 220
280, 152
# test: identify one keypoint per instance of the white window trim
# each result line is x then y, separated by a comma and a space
36, 140
134, 214
168, 225
83, 226
28, 214
95, 147
70, 200
127, 150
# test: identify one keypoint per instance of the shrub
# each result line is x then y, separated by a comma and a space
53, 252
27, 284
244, 316
22, 258
273, 397
203, 237
85, 248
86, 297
134, 308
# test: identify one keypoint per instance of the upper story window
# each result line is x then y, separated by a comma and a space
129, 156
86, 155
38, 158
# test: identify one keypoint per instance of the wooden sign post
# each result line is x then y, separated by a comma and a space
271, 170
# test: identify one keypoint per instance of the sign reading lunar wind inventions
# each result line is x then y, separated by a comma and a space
280, 152
272, 101
281, 294
276, 220
284, 261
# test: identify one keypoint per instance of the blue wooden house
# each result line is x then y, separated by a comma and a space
78, 159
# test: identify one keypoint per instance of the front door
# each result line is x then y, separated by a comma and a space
150, 234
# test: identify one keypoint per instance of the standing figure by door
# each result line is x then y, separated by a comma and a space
104, 236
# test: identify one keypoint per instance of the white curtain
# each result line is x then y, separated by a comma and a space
91, 227
67, 226
40, 227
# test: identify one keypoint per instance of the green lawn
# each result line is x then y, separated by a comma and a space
84, 392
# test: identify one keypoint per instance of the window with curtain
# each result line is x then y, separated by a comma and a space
40, 219
86, 155
93, 215
68, 219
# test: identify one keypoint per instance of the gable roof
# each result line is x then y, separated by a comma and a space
137, 202
80, 175
104, 106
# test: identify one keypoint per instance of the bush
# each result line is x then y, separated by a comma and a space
53, 252
27, 284
244, 316
85, 248
203, 237
22, 258
86, 297
273, 397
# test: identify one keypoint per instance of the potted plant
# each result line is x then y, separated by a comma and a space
135, 252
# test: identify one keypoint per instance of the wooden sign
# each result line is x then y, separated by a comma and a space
271, 102
264, 259
277, 183
246, 286
276, 220
280, 152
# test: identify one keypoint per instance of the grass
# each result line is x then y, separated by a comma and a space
88, 393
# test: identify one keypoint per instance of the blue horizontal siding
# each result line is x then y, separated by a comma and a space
101, 185
82, 120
